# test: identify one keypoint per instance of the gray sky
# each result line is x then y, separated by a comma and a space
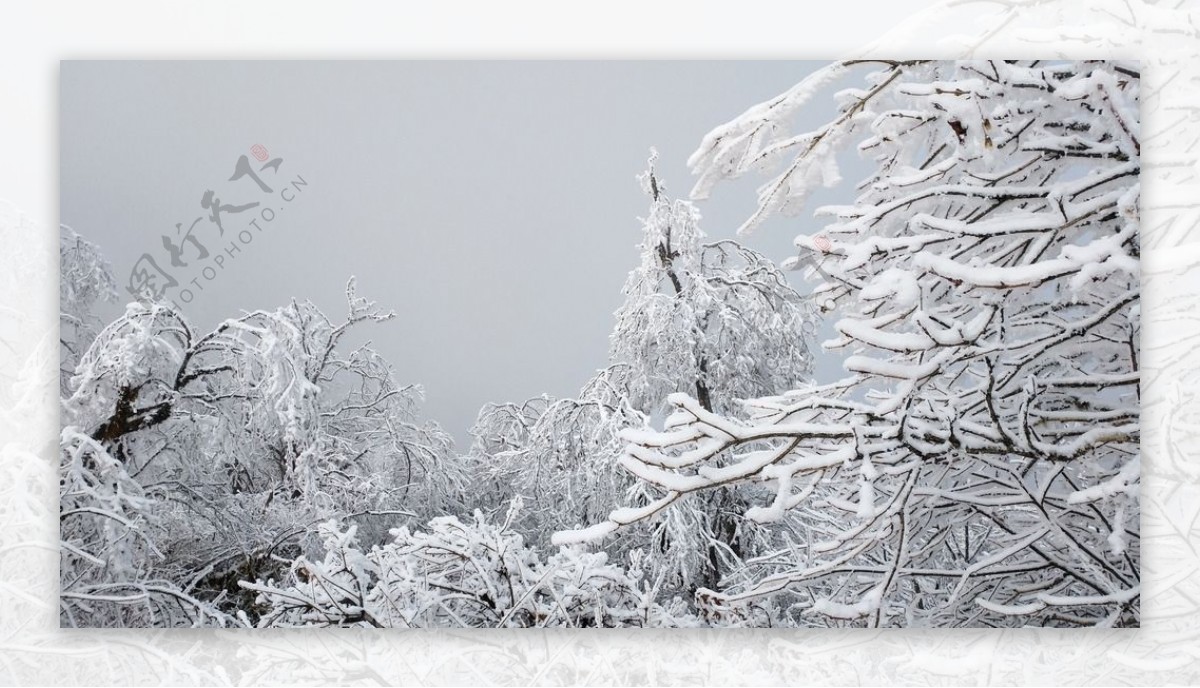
493, 205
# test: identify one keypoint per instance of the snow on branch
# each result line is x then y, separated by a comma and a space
987, 283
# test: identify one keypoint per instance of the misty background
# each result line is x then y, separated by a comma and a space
492, 205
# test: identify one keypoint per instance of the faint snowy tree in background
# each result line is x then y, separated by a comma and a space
85, 279
979, 465
556, 453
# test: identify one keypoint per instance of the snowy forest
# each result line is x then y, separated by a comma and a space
975, 463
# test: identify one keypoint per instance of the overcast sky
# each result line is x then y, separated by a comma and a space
492, 205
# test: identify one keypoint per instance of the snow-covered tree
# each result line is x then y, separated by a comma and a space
979, 464
241, 438
715, 319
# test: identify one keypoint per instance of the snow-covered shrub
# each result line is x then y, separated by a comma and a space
458, 574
